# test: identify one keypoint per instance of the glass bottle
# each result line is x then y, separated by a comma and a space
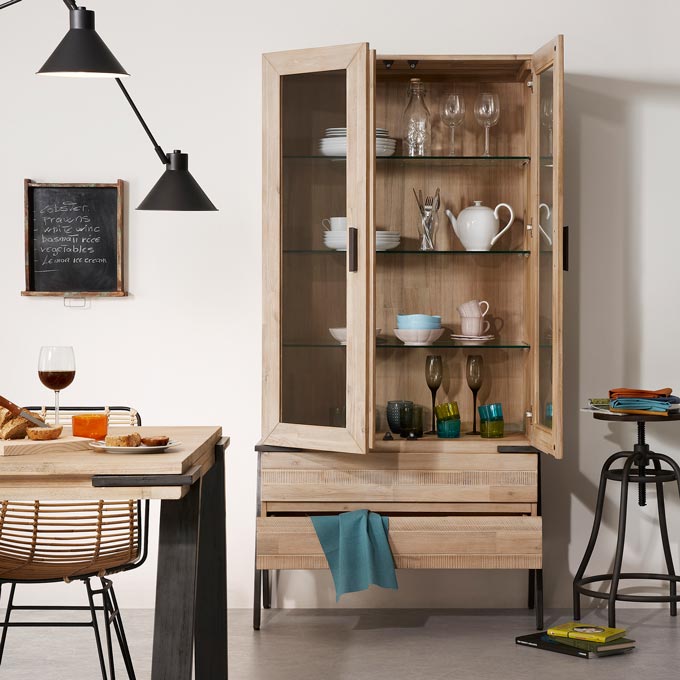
416, 126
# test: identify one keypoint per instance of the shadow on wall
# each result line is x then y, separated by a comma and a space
602, 303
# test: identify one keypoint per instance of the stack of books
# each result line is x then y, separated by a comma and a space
580, 639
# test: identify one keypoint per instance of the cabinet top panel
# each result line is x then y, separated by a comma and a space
498, 68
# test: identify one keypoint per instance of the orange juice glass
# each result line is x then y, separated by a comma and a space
91, 425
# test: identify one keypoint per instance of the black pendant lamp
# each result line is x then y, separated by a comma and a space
82, 52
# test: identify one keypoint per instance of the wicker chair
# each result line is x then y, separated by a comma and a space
48, 542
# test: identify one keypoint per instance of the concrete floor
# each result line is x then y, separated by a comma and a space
367, 645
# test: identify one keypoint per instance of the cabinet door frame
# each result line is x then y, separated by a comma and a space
549, 440
354, 59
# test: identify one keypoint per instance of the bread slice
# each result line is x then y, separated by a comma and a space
43, 434
15, 427
123, 440
5, 416
159, 440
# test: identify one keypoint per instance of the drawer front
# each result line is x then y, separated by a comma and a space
417, 543
443, 478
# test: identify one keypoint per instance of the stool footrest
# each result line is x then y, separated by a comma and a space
580, 587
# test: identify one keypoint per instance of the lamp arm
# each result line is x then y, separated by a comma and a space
69, 3
161, 154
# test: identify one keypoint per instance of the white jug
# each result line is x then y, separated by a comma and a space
477, 226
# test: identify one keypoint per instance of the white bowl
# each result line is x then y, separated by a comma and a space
418, 336
340, 334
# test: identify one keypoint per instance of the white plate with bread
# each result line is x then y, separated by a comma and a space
134, 443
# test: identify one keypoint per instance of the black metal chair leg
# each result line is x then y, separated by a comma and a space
531, 594
108, 617
120, 634
539, 599
95, 626
620, 541
8, 614
266, 589
597, 520
257, 600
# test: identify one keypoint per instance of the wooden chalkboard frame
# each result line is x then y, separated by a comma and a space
119, 290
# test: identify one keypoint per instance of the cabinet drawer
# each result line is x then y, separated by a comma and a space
443, 542
399, 477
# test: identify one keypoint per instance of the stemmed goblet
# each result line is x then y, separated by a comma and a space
56, 370
452, 113
487, 112
473, 374
434, 372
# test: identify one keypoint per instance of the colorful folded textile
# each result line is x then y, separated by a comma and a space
646, 405
631, 393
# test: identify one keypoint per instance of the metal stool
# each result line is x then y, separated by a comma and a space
642, 457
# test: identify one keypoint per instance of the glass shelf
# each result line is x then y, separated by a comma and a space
439, 160
328, 251
396, 344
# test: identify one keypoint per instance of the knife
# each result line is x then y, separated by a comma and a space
16, 411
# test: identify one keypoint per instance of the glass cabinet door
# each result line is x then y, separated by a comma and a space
315, 219
547, 157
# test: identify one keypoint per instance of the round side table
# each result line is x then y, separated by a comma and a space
642, 458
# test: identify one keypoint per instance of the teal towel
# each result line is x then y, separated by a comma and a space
653, 405
358, 552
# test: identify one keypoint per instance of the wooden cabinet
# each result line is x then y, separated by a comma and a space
461, 499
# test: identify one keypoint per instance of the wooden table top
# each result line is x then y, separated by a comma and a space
70, 475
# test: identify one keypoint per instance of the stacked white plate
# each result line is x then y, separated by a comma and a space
472, 339
334, 142
384, 240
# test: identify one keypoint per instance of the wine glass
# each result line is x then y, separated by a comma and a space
473, 374
56, 370
487, 112
452, 113
434, 372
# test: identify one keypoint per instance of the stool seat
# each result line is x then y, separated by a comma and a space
641, 457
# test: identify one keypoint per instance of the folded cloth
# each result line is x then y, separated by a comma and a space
630, 393
357, 549
645, 405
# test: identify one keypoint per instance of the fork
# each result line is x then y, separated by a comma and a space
428, 208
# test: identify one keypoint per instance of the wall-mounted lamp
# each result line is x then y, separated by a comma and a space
82, 53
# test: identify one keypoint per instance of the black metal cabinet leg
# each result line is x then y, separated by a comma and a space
620, 541
257, 601
173, 635
266, 589
539, 599
531, 595
211, 588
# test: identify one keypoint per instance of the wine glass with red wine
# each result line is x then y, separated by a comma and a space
56, 370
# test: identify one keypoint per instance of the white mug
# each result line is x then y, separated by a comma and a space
473, 308
474, 325
334, 223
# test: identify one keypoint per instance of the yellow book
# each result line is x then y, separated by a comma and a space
582, 631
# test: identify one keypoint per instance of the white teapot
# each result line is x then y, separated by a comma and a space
477, 226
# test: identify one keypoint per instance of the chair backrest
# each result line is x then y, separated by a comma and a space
48, 540
118, 415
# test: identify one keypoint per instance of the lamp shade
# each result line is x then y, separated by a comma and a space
177, 189
82, 52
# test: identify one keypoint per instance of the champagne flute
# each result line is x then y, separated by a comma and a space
487, 112
56, 370
452, 113
473, 374
434, 372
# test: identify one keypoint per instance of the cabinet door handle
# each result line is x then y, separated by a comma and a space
352, 247
565, 249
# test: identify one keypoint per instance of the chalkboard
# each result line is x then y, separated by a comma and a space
74, 239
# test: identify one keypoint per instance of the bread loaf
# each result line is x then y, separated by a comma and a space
15, 427
123, 440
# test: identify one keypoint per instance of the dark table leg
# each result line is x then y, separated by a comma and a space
191, 590
211, 589
173, 635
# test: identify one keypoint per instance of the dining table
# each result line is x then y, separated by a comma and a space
190, 624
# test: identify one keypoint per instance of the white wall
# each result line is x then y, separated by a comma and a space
185, 346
